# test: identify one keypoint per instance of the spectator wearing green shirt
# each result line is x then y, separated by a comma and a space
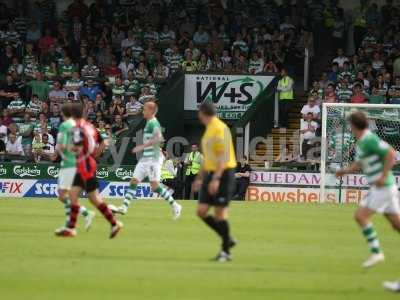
67, 69
26, 131
39, 87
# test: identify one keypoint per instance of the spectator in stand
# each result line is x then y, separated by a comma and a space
330, 95
340, 59
55, 118
189, 65
256, 63
47, 152
201, 37
133, 111
125, 66
14, 147
242, 176
16, 108
90, 70
37, 146
26, 131
116, 107
307, 130
8, 91
344, 90
90, 89
119, 126
376, 96
333, 75
311, 107
358, 94
57, 95
141, 72
46, 42
39, 87
394, 91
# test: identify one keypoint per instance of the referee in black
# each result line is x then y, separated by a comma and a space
216, 180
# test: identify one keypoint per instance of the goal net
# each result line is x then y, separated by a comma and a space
338, 147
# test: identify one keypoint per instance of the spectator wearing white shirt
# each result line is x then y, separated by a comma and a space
48, 148
311, 107
125, 66
307, 130
129, 41
14, 145
341, 58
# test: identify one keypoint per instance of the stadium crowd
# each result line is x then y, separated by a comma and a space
115, 55
364, 69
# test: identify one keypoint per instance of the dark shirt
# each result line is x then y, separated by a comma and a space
8, 88
243, 169
116, 127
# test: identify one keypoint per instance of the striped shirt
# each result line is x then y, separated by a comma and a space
371, 152
344, 94
256, 66
132, 87
34, 107
152, 130
175, 62
16, 104
118, 90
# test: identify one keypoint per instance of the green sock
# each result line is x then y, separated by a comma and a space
67, 209
130, 195
372, 238
163, 192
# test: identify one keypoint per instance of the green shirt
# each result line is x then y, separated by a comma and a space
151, 130
371, 152
23, 128
40, 88
67, 70
64, 137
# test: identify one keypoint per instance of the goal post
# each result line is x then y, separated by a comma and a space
338, 144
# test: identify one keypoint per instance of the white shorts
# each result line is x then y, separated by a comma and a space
383, 200
66, 178
148, 168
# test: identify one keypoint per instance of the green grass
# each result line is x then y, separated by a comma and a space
285, 251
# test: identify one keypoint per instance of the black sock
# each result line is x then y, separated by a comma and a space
213, 224
226, 238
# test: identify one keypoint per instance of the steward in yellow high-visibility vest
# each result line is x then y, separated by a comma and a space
193, 165
286, 97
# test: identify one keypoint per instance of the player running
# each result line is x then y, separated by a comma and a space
87, 144
68, 168
150, 163
376, 158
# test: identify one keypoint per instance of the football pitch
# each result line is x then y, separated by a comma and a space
285, 251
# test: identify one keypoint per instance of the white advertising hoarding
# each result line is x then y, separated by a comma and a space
232, 94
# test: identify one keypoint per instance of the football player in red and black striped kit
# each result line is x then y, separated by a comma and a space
87, 144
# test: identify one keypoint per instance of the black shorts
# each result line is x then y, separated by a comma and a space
225, 192
88, 186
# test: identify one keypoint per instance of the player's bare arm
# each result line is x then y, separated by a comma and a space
354, 167
157, 139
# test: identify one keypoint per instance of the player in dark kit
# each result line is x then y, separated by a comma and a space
216, 180
87, 144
